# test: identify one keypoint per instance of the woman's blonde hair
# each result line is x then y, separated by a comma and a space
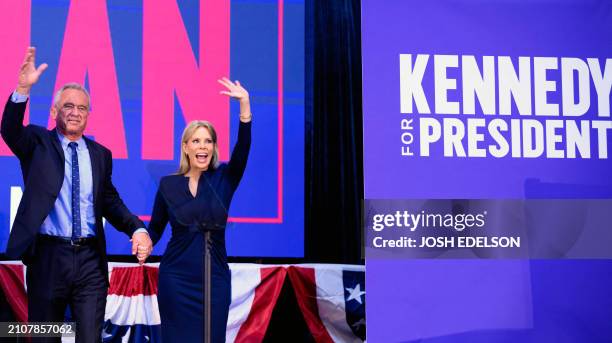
187, 133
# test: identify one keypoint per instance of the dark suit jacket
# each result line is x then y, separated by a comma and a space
42, 164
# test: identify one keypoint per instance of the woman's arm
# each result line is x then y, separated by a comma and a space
240, 154
159, 217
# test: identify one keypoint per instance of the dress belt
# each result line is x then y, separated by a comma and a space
201, 227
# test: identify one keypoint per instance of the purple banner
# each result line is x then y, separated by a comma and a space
474, 98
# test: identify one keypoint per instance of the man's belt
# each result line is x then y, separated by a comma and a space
77, 242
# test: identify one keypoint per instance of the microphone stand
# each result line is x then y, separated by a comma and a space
207, 230
207, 296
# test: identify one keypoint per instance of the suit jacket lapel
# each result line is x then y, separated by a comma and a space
94, 156
55, 141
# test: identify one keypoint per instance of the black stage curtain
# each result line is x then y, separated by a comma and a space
334, 148
334, 151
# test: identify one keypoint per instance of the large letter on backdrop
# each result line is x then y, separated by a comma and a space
15, 37
88, 51
169, 66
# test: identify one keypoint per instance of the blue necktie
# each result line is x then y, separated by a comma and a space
76, 188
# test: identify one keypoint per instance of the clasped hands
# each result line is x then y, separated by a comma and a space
142, 246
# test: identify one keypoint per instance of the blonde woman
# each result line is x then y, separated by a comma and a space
199, 195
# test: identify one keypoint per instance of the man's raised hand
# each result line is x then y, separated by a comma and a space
28, 73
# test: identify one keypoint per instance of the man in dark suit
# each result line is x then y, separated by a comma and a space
58, 230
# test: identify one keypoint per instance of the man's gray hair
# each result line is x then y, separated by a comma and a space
70, 85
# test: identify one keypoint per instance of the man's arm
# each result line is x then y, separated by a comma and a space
16, 136
115, 211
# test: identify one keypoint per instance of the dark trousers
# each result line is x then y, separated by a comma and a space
61, 275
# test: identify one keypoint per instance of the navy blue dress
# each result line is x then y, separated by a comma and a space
181, 268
